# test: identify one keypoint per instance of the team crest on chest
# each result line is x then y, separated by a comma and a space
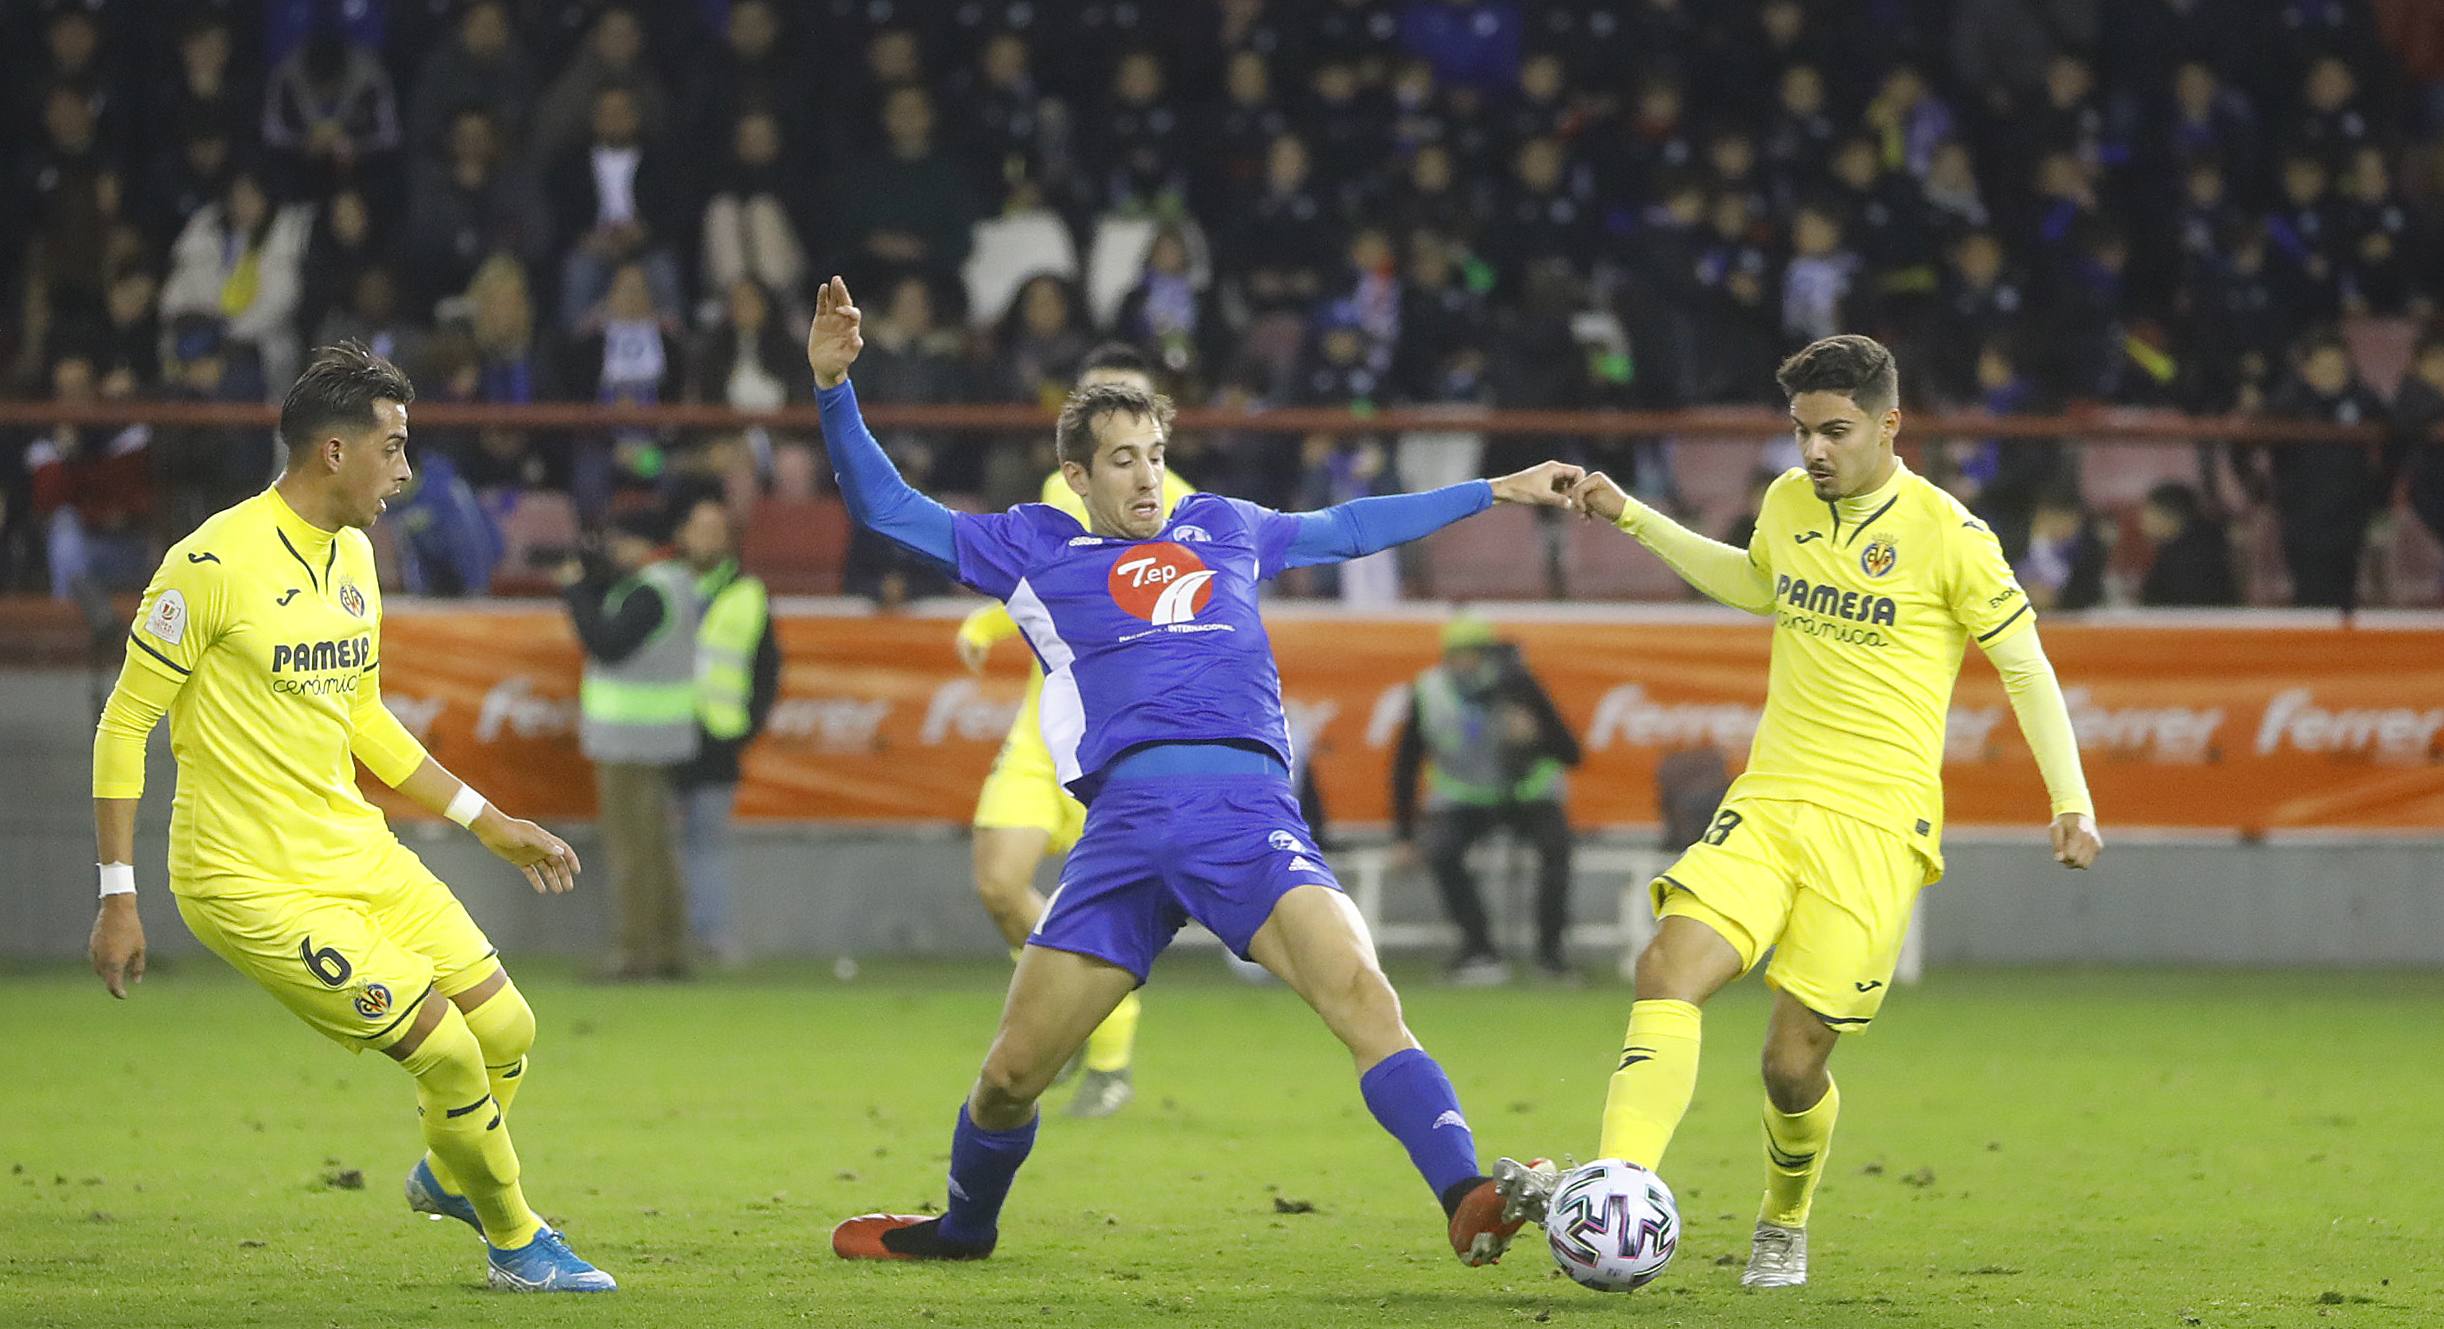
1161, 582
352, 599
1878, 557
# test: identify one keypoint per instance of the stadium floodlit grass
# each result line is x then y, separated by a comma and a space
2018, 1149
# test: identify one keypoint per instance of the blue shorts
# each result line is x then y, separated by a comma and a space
1220, 849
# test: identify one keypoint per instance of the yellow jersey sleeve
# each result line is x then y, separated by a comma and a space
374, 734
1984, 596
988, 626
180, 616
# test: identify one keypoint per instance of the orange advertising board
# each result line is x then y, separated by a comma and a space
2234, 726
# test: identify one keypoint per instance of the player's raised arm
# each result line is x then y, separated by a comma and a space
1365, 526
1719, 571
876, 495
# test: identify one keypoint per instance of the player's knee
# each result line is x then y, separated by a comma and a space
448, 1061
1794, 1074
1662, 973
505, 1026
1007, 1086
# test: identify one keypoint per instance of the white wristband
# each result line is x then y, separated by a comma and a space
465, 806
118, 879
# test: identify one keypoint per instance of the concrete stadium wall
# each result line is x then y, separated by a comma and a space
832, 892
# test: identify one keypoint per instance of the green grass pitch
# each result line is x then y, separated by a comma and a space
2017, 1149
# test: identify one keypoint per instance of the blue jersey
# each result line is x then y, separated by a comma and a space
1142, 641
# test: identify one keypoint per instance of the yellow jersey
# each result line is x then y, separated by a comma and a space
1874, 600
261, 637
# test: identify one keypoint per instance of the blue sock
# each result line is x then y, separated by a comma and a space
982, 1164
1414, 1100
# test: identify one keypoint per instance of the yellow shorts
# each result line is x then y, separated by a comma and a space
354, 966
1024, 791
1830, 894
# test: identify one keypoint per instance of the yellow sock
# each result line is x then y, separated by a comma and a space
1650, 1092
504, 1026
1795, 1147
466, 1130
1108, 1048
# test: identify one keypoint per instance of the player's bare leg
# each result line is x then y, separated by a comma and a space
1800, 1105
1316, 943
1004, 859
1056, 999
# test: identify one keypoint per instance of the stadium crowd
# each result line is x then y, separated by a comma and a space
2040, 204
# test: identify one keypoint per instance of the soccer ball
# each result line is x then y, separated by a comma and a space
1612, 1225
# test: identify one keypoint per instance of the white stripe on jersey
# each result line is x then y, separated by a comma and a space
1062, 713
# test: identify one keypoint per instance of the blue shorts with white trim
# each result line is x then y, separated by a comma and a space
1219, 849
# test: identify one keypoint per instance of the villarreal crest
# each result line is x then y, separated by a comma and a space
1878, 557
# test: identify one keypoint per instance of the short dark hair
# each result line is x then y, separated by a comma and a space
340, 384
1117, 357
2178, 499
1856, 367
1073, 439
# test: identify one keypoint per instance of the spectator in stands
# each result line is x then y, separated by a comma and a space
1954, 204
1656, 138
1441, 356
372, 315
2192, 564
2205, 213
2304, 234
738, 677
2418, 409
1882, 213
1141, 155
2002, 479
2386, 262
2332, 120
636, 610
1012, 125
2323, 492
331, 114
69, 186
614, 201
1282, 240
751, 71
1799, 133
184, 178
481, 66
1470, 43
503, 365
200, 469
753, 222
1736, 316
1544, 213
241, 259
1430, 196
1493, 751
471, 200
1041, 340
1345, 129
2002, 50
344, 245
1167, 310
2063, 567
749, 360
447, 543
129, 355
1908, 120
910, 207
208, 85
625, 353
92, 493
1817, 283
2237, 315
613, 57
2208, 120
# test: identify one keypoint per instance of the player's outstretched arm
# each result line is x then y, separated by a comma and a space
876, 494
2045, 721
1719, 571
1365, 526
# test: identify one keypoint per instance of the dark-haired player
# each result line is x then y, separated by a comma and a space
260, 637
1876, 581
1162, 707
